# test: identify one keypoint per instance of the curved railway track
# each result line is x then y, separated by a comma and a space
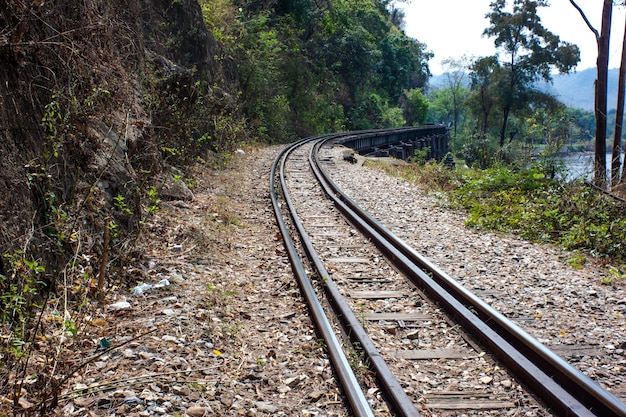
396, 307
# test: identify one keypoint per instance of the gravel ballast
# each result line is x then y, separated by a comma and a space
229, 333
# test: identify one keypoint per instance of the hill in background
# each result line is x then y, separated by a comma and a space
574, 90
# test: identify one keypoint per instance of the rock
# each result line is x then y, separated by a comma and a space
168, 338
69, 408
148, 395
146, 355
180, 390
80, 387
176, 279
316, 395
413, 335
294, 381
174, 187
132, 400
266, 407
24, 403
486, 380
227, 399
103, 403
84, 401
349, 156
195, 411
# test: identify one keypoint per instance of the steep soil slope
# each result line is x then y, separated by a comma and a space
97, 100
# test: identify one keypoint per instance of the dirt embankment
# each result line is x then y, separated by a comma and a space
98, 100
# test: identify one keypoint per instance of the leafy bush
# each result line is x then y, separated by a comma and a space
478, 151
392, 117
529, 203
416, 106
539, 209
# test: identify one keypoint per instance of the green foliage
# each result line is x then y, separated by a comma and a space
503, 99
119, 201
375, 112
449, 104
420, 156
537, 208
308, 68
478, 151
614, 275
53, 120
153, 200
530, 51
577, 261
20, 288
416, 106
441, 109
582, 127
393, 117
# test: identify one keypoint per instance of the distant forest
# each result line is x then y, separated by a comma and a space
573, 90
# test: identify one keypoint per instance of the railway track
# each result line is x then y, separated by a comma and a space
414, 327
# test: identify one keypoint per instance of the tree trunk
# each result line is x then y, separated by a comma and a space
486, 108
619, 118
505, 120
602, 64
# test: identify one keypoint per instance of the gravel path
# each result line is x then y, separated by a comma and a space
228, 334
566, 308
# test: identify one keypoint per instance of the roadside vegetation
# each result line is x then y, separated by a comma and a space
109, 107
528, 203
508, 138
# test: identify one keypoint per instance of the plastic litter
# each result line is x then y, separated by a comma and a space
142, 288
163, 283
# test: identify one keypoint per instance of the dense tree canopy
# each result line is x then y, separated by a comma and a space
309, 67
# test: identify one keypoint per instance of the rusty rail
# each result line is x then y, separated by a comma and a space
561, 386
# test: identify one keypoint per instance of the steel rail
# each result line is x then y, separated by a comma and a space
350, 385
391, 387
552, 378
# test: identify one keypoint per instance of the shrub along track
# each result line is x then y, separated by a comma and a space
559, 297
563, 389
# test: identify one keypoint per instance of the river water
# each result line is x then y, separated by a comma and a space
580, 165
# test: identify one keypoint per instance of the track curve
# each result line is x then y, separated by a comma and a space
563, 388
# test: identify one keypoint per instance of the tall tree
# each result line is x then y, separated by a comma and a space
530, 50
619, 117
483, 75
602, 67
456, 80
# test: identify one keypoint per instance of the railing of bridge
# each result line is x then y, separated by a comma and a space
401, 143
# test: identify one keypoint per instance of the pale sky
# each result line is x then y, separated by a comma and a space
452, 28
